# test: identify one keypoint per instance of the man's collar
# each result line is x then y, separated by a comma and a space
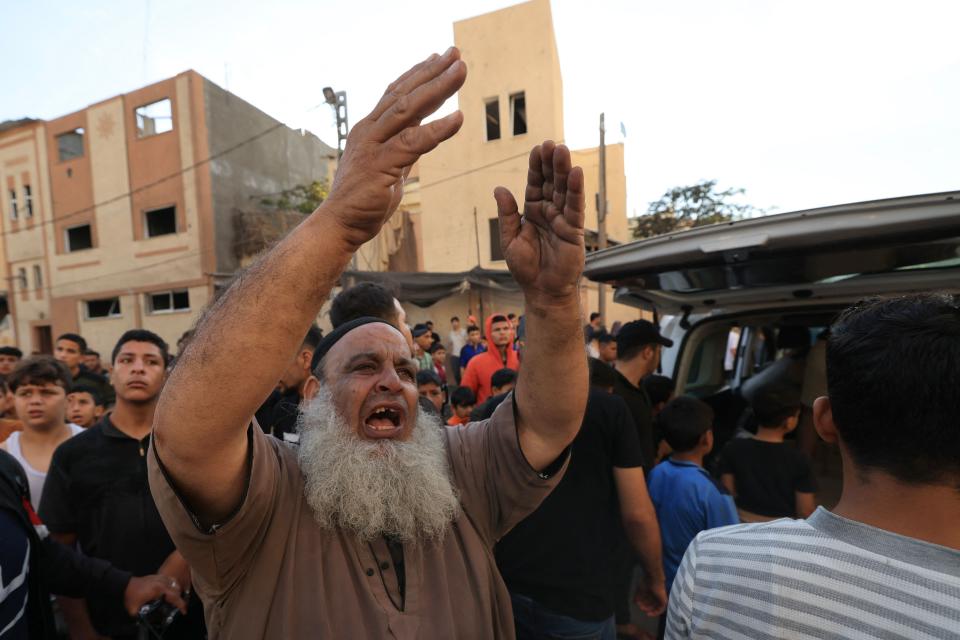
106, 425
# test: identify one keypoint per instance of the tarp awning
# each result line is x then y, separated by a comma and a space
426, 289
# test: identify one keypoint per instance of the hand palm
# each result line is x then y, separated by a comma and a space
544, 250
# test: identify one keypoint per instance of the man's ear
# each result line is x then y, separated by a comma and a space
305, 357
311, 387
823, 420
706, 439
97, 411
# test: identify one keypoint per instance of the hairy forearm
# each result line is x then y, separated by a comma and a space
261, 319
553, 383
643, 533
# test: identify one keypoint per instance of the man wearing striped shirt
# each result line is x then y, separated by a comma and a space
885, 563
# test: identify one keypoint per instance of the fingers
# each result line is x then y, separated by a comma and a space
509, 216
418, 96
574, 205
415, 141
173, 596
394, 88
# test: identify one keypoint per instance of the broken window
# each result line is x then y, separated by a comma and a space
103, 308
13, 204
160, 222
493, 119
79, 238
70, 144
154, 118
518, 113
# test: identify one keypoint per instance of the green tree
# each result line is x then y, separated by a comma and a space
303, 197
691, 206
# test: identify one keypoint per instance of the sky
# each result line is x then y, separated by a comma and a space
802, 104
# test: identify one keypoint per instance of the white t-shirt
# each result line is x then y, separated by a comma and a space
34, 477
457, 340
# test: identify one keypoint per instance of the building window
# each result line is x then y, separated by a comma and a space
70, 144
518, 113
37, 277
496, 253
14, 214
22, 277
79, 238
103, 308
160, 222
154, 118
168, 301
492, 108
28, 200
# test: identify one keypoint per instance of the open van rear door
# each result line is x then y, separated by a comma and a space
831, 255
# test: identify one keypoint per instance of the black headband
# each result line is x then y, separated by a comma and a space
334, 337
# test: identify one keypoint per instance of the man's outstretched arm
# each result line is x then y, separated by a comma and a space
544, 251
247, 338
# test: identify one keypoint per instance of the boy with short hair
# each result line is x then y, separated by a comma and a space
686, 498
39, 386
84, 406
9, 357
768, 477
430, 387
439, 355
463, 401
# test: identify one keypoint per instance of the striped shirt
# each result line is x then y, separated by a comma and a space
824, 577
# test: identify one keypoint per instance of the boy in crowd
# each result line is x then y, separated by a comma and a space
430, 387
84, 406
8, 412
69, 350
97, 495
439, 354
9, 357
660, 391
768, 477
885, 563
499, 355
462, 401
687, 499
501, 383
473, 347
39, 386
422, 341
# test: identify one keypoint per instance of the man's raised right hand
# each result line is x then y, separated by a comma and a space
382, 147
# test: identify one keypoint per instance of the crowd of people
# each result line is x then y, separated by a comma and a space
536, 479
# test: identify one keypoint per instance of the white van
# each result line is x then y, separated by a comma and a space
723, 292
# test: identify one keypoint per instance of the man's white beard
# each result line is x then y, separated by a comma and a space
375, 487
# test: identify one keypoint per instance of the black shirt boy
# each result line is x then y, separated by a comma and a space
767, 476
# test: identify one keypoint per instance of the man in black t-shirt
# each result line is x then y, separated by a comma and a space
768, 477
96, 494
561, 564
278, 416
638, 355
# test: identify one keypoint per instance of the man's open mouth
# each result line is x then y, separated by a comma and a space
385, 421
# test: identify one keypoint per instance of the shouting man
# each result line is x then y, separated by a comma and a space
380, 524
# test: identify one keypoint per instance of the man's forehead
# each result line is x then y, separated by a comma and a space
374, 338
136, 347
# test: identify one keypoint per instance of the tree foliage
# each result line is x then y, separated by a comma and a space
691, 206
303, 197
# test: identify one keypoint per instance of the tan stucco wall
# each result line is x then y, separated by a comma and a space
23, 162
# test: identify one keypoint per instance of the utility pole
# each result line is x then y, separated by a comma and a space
602, 216
338, 100
476, 235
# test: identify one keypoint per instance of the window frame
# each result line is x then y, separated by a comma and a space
110, 315
146, 222
83, 144
14, 209
22, 278
171, 293
66, 238
137, 116
28, 201
37, 277
487, 102
522, 95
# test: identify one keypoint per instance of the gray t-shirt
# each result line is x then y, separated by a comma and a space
824, 577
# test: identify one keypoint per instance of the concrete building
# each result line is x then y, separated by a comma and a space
125, 214
512, 100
